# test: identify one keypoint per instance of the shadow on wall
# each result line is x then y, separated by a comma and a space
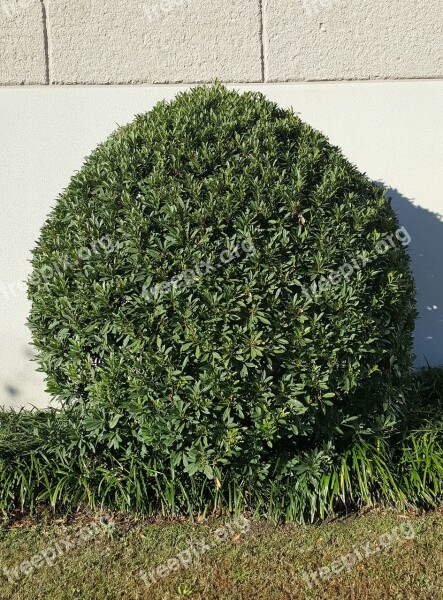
13, 394
426, 252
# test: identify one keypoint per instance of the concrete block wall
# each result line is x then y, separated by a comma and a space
167, 41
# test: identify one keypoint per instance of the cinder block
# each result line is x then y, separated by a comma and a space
349, 39
155, 41
22, 42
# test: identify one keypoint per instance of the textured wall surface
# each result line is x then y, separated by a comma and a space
349, 39
23, 38
109, 41
166, 41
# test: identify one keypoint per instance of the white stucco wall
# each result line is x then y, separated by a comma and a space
167, 41
392, 130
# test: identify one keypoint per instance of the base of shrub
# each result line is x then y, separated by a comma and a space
44, 459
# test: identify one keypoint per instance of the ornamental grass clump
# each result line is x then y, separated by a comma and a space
250, 315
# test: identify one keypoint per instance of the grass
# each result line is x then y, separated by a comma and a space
40, 462
44, 472
266, 561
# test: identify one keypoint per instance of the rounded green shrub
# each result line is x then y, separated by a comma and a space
220, 290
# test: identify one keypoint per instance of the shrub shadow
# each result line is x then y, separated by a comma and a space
426, 252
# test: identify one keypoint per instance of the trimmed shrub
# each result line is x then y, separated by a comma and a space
221, 294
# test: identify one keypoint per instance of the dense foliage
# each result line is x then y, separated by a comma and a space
43, 460
214, 295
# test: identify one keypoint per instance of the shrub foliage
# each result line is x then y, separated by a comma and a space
240, 323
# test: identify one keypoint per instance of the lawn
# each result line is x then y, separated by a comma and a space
378, 554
